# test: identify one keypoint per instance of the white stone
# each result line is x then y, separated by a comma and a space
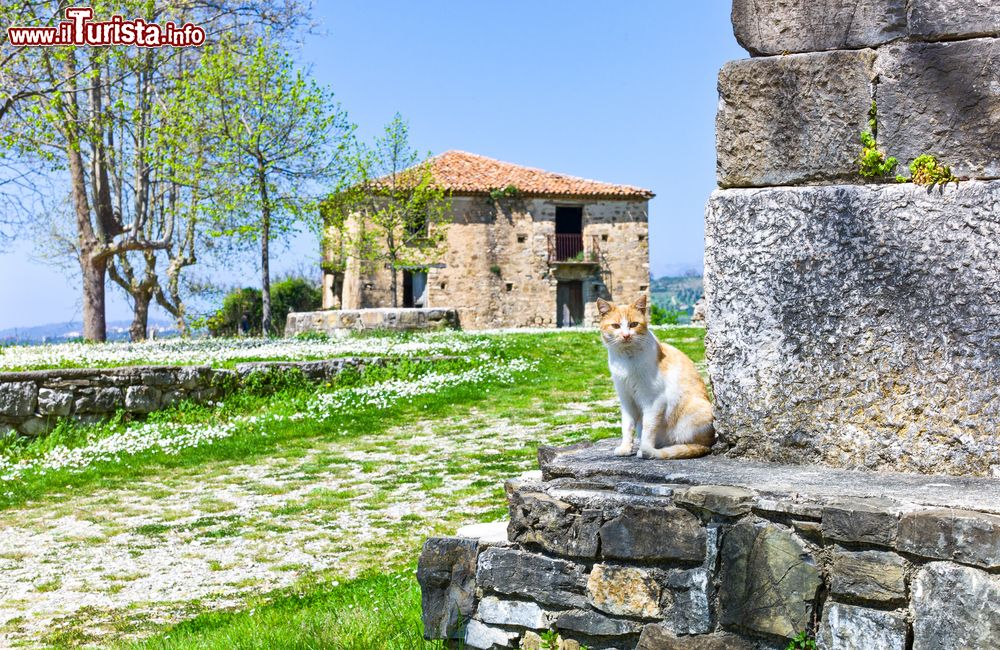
846, 627
494, 532
478, 635
512, 612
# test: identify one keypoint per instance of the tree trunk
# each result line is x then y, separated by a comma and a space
139, 328
94, 270
265, 271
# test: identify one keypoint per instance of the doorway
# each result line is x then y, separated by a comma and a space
414, 288
569, 232
569, 303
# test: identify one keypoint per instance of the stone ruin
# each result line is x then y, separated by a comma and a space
851, 326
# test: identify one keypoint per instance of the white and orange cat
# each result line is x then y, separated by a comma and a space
663, 397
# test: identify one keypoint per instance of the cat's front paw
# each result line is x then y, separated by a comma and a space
623, 450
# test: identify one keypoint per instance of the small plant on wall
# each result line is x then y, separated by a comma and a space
873, 163
926, 170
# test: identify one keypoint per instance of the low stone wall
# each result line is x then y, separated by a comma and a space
32, 402
715, 553
338, 322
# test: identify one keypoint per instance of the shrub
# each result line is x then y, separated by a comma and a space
292, 294
660, 316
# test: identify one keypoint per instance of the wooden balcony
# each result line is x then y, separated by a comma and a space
574, 249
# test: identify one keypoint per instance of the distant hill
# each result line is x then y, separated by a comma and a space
62, 332
678, 293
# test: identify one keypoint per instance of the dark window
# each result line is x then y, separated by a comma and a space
510, 286
569, 220
604, 238
521, 239
643, 287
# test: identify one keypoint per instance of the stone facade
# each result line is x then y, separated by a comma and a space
854, 323
32, 402
340, 322
721, 554
496, 269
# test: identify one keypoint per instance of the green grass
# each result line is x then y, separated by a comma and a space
371, 612
378, 610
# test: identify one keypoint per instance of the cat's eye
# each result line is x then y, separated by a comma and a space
633, 325
615, 325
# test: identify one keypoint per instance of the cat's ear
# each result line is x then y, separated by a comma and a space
603, 306
640, 303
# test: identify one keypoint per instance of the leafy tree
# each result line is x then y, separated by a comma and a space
273, 134
86, 117
291, 294
388, 210
660, 316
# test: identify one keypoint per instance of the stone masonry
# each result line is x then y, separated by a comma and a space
32, 402
850, 322
340, 322
717, 553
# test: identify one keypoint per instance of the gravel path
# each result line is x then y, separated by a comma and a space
83, 569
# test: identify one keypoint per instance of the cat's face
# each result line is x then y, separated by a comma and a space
623, 325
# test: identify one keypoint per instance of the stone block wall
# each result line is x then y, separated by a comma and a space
340, 322
32, 402
851, 322
721, 554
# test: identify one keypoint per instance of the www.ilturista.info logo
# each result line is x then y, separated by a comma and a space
79, 29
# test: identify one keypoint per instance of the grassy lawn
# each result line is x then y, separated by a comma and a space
300, 526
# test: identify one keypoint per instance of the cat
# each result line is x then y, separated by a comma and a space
662, 396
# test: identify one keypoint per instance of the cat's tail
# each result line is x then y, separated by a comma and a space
678, 452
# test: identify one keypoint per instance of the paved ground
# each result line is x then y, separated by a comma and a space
110, 564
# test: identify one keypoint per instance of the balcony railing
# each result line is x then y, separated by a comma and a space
570, 249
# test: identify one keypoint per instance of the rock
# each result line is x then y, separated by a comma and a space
784, 26
446, 572
18, 398
511, 612
827, 313
99, 400
593, 623
555, 525
35, 426
792, 119
868, 521
945, 534
855, 628
527, 575
686, 605
624, 591
952, 19
547, 453
942, 99
531, 641
869, 575
490, 533
769, 581
657, 637
718, 499
158, 377
641, 533
955, 608
142, 399
54, 402
484, 637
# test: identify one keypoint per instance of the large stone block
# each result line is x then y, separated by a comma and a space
855, 628
946, 534
527, 575
18, 398
642, 533
792, 119
941, 99
555, 525
624, 591
874, 576
950, 19
657, 637
446, 572
784, 26
868, 521
54, 402
955, 608
856, 325
769, 580
686, 601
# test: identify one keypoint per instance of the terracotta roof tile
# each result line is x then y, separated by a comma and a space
461, 172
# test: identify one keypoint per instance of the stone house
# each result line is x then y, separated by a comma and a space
537, 256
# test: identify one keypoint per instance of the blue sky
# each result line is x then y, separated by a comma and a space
618, 92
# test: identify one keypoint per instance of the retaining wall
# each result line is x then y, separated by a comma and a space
339, 322
717, 553
32, 402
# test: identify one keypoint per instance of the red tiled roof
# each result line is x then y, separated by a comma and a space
461, 172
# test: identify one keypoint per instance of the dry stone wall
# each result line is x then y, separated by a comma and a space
340, 322
854, 323
32, 402
718, 553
